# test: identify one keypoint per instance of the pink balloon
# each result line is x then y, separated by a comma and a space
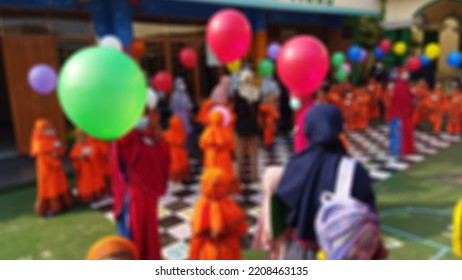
385, 45
229, 35
413, 63
302, 64
188, 57
347, 67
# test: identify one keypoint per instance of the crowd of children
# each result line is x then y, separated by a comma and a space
90, 158
234, 119
362, 105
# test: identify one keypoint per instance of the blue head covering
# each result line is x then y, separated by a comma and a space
314, 171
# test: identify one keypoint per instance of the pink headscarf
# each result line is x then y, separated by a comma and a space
221, 90
300, 140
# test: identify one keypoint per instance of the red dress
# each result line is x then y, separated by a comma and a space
146, 165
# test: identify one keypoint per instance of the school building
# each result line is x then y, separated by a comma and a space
48, 31
418, 22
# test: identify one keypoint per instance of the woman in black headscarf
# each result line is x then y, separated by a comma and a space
313, 172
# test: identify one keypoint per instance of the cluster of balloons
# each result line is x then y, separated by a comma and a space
357, 54
338, 61
42, 79
382, 49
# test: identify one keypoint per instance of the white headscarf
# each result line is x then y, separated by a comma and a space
246, 88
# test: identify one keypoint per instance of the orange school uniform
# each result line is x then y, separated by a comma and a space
269, 116
217, 144
53, 193
454, 112
176, 137
90, 179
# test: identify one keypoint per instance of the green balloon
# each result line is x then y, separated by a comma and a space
102, 91
338, 58
266, 68
341, 75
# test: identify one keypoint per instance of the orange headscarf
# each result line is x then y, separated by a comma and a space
39, 138
176, 130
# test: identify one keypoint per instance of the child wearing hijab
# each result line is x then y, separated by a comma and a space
309, 174
218, 222
400, 117
246, 103
140, 162
180, 104
217, 144
53, 194
90, 180
176, 137
454, 111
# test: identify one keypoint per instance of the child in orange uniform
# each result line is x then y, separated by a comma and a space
421, 93
436, 103
454, 111
386, 97
349, 111
374, 89
218, 222
217, 144
176, 137
269, 115
90, 180
53, 194
363, 101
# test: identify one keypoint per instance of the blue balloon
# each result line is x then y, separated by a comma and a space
354, 53
454, 59
379, 54
425, 60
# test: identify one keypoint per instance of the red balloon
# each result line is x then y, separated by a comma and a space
385, 45
162, 81
302, 64
138, 48
413, 63
188, 57
229, 35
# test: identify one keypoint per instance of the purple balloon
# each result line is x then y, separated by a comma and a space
42, 78
273, 50
363, 55
347, 67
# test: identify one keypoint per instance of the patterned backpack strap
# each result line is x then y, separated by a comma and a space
345, 175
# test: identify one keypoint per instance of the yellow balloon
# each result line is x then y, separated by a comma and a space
234, 66
400, 48
321, 256
432, 51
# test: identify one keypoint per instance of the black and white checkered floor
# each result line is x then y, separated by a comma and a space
369, 147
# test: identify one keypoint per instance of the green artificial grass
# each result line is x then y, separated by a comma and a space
23, 235
416, 205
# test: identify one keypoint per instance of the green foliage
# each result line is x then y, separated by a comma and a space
370, 32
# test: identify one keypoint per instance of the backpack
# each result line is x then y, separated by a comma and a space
346, 228
457, 229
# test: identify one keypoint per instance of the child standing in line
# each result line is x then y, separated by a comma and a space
90, 179
53, 194
218, 145
176, 137
269, 115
